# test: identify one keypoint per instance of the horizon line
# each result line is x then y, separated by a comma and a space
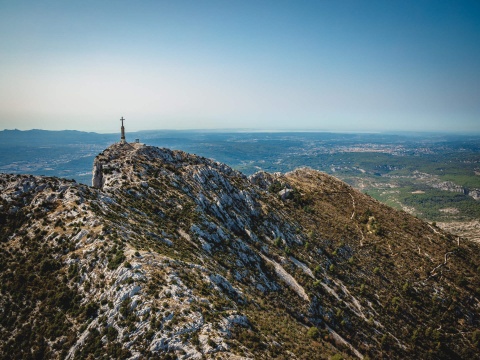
254, 130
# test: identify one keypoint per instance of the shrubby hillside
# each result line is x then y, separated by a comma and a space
171, 255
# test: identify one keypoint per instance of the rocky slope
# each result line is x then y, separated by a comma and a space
172, 255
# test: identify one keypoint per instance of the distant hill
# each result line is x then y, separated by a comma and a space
172, 255
52, 138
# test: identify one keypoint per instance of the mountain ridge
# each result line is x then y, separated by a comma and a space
175, 255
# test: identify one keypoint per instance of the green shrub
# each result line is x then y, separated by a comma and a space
111, 333
275, 187
313, 332
476, 338
91, 310
277, 242
116, 260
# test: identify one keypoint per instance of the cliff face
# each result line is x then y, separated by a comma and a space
174, 255
97, 174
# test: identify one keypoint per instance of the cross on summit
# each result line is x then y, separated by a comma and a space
122, 138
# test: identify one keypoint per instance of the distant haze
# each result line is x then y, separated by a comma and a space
310, 65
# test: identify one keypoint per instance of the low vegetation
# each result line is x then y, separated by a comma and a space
177, 256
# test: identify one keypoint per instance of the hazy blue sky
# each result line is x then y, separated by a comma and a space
322, 65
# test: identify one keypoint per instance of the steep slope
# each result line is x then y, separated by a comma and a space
177, 256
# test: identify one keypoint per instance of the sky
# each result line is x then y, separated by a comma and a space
237, 64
